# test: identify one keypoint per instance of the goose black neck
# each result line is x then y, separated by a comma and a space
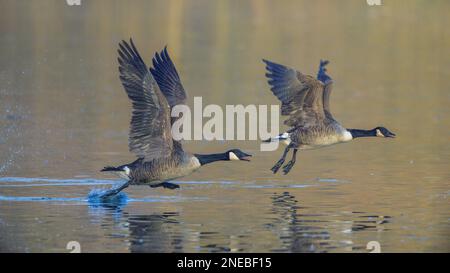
205, 159
362, 133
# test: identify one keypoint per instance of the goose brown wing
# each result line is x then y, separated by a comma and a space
150, 129
169, 82
301, 95
167, 77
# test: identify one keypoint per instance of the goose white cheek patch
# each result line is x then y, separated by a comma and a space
379, 134
233, 156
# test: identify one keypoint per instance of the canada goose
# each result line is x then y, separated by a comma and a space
306, 101
160, 158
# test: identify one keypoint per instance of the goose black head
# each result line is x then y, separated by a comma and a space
383, 132
237, 154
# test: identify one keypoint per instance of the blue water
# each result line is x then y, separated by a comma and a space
199, 216
95, 195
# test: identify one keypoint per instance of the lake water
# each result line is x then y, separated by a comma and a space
64, 116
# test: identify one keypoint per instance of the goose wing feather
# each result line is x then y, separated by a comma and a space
167, 77
301, 95
150, 128
169, 82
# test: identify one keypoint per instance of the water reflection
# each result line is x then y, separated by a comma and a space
140, 232
112, 207
291, 222
371, 222
295, 233
299, 230
155, 233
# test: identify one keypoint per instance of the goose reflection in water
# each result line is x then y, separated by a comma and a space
297, 228
295, 234
310, 232
155, 232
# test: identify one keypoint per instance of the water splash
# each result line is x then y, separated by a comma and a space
96, 198
102, 194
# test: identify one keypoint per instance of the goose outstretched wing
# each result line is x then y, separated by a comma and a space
301, 95
169, 82
167, 77
150, 128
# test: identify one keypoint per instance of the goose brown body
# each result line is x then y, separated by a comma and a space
162, 169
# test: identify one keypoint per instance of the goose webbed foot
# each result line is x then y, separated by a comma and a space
166, 185
287, 168
281, 161
171, 186
277, 166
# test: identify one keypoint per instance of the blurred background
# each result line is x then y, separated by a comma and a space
64, 115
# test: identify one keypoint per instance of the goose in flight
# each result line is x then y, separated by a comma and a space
306, 102
153, 93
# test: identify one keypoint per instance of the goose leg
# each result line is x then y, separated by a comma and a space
281, 161
291, 163
115, 191
166, 185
